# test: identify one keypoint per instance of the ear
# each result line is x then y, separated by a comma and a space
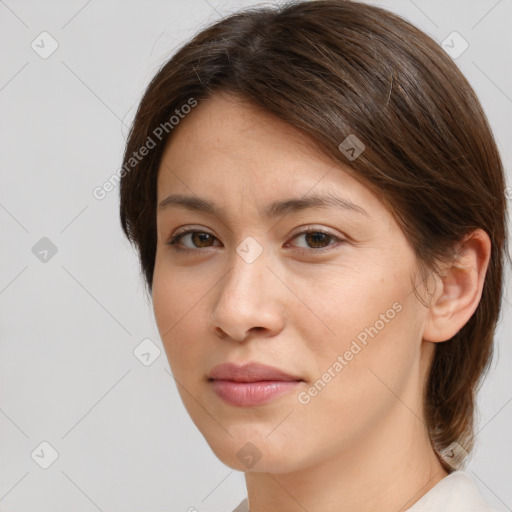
459, 289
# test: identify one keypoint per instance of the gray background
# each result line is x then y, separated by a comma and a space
69, 326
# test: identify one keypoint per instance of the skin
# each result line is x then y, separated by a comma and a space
361, 443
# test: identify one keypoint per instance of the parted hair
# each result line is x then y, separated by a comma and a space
339, 68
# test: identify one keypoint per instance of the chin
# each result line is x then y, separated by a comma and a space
249, 450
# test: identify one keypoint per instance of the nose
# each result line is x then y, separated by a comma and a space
248, 301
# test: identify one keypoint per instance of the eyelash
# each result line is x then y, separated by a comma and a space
174, 245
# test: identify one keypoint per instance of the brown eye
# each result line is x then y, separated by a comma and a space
316, 239
199, 239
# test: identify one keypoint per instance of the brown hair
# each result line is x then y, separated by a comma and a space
335, 68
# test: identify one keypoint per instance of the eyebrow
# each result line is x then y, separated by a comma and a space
274, 209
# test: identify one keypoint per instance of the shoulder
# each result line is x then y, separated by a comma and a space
456, 492
242, 507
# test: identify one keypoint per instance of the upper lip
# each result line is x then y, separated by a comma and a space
249, 372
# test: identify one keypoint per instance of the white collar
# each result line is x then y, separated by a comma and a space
456, 492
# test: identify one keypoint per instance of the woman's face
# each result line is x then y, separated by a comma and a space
333, 309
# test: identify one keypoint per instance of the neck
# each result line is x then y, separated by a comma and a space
368, 475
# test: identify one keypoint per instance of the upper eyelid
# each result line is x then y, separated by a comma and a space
304, 230
187, 229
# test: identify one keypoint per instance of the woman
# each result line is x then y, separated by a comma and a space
319, 209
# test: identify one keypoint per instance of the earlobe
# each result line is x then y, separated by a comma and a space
459, 289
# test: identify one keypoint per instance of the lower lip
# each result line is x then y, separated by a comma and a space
246, 394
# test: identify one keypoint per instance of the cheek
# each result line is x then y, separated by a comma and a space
177, 310
353, 394
360, 303
164, 301
372, 329
176, 296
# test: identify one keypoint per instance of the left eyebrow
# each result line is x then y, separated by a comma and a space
275, 209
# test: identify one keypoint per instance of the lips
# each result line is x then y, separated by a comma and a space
249, 372
250, 384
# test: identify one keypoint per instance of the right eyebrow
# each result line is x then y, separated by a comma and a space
275, 209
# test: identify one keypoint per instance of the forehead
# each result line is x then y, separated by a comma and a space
230, 127
228, 147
